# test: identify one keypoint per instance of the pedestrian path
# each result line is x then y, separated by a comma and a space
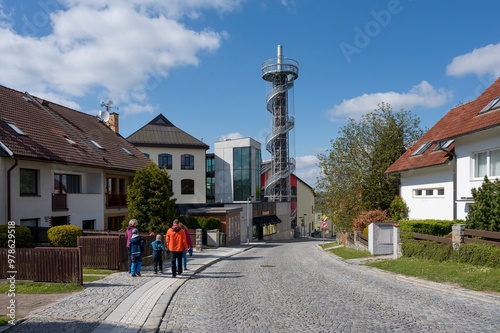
120, 303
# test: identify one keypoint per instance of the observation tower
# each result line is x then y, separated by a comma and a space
281, 72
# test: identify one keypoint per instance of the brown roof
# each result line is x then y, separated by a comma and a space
160, 132
459, 121
47, 125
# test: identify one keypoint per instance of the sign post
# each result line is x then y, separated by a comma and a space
324, 225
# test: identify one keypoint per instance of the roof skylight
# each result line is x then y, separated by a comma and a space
127, 151
494, 104
422, 148
73, 143
443, 144
96, 144
15, 128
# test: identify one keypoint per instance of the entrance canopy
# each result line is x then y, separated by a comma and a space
266, 220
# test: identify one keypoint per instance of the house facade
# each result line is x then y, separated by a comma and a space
62, 166
439, 171
182, 155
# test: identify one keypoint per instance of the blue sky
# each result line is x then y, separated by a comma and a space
198, 62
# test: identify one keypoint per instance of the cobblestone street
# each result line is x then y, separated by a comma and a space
295, 287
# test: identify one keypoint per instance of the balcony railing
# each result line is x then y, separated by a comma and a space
59, 202
116, 200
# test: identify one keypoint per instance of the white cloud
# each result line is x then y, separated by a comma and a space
481, 61
307, 169
421, 95
230, 136
117, 49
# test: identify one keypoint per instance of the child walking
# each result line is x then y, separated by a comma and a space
158, 249
136, 252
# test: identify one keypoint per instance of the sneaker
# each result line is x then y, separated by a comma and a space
155, 272
133, 275
186, 269
173, 276
138, 274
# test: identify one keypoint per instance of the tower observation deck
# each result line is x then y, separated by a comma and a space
281, 72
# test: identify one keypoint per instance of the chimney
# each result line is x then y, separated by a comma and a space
113, 121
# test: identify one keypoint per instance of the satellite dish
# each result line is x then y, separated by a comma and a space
104, 115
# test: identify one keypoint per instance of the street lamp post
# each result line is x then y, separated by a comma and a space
248, 218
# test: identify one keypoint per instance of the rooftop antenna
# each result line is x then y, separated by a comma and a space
104, 115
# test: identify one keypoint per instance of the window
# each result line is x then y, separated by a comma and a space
66, 183
429, 192
443, 144
147, 155
487, 163
187, 186
71, 142
96, 144
187, 162
15, 128
210, 186
210, 164
28, 182
30, 223
165, 161
494, 104
88, 224
422, 149
241, 173
127, 151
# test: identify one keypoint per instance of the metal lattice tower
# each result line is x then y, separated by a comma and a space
281, 72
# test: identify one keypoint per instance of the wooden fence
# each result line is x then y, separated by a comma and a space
44, 264
469, 236
108, 252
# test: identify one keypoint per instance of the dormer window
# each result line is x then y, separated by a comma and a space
15, 128
71, 142
494, 104
422, 149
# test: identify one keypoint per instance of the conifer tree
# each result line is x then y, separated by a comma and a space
149, 199
484, 213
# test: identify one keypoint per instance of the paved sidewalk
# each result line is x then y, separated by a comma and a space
119, 302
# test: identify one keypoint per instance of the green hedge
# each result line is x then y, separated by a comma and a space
429, 227
64, 235
428, 250
22, 235
478, 254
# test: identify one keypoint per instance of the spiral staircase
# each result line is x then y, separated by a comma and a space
281, 72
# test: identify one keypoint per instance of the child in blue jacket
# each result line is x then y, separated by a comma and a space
158, 248
136, 252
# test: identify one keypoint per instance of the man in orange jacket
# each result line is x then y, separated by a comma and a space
176, 243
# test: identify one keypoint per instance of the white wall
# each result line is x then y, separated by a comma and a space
436, 207
465, 147
177, 174
82, 206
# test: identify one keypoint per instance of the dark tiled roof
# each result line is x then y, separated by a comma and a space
459, 121
47, 125
160, 132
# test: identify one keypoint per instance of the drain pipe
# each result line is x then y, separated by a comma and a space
9, 199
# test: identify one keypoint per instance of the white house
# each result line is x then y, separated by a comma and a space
62, 166
439, 170
180, 153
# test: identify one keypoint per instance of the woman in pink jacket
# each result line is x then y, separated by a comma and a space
190, 245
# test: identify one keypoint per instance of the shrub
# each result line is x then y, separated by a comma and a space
478, 254
64, 235
22, 233
485, 211
209, 223
365, 218
428, 250
398, 210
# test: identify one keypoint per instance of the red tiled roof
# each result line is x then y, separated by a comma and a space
46, 125
459, 121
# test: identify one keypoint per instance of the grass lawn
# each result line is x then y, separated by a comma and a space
346, 253
467, 276
28, 287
